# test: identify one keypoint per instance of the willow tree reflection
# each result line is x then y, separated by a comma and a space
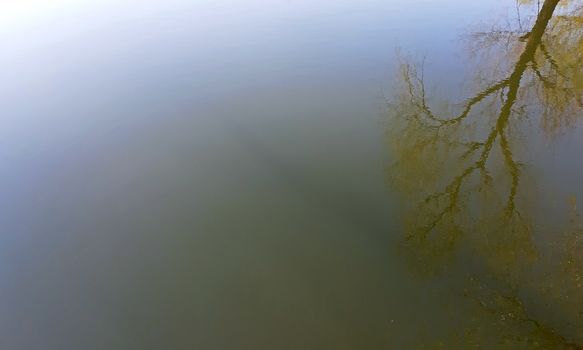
460, 172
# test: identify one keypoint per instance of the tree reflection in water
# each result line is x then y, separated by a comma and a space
465, 188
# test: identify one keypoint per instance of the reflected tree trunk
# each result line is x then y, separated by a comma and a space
455, 157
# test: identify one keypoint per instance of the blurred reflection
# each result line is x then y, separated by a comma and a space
461, 171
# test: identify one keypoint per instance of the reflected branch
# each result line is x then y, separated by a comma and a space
462, 188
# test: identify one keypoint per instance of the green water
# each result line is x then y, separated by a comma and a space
291, 175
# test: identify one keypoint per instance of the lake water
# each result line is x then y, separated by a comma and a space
290, 174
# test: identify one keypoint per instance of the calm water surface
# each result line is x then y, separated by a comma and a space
290, 174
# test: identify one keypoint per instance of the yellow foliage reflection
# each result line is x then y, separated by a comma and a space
465, 190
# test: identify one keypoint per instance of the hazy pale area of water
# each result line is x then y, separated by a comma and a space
221, 175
